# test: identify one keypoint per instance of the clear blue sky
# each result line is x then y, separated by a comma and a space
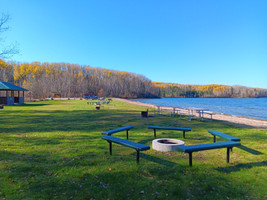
178, 41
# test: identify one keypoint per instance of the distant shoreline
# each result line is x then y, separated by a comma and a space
240, 121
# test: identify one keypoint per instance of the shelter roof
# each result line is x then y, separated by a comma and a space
10, 86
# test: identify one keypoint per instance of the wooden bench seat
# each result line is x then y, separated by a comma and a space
110, 132
137, 146
223, 135
201, 147
169, 128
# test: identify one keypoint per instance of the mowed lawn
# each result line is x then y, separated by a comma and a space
54, 150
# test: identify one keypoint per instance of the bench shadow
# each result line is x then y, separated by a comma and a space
145, 141
158, 160
240, 166
249, 150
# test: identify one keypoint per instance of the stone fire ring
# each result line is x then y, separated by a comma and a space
166, 144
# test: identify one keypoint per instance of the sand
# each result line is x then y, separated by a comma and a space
239, 121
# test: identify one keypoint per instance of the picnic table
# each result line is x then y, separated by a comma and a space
200, 112
158, 110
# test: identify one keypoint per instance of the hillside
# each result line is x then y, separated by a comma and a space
71, 80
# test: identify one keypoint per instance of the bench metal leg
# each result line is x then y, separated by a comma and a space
137, 156
127, 134
155, 135
184, 134
110, 148
228, 154
214, 138
190, 159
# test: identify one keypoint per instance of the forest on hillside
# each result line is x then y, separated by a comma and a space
71, 80
213, 90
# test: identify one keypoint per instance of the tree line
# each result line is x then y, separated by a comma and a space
71, 80
206, 91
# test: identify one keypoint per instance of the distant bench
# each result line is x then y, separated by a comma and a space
207, 113
201, 147
137, 146
169, 128
110, 132
93, 102
223, 135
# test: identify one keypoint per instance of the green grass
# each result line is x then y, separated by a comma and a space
54, 150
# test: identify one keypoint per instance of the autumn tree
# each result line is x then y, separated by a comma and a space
71, 80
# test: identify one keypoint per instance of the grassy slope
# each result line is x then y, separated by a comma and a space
54, 150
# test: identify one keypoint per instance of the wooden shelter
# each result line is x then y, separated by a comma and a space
11, 94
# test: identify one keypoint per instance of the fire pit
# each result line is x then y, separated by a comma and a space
166, 144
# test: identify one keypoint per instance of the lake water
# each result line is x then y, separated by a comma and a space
248, 107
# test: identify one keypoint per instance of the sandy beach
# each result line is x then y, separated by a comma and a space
237, 120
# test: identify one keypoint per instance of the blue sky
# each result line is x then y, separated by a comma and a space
178, 41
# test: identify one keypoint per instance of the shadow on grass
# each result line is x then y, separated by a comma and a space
241, 166
157, 160
38, 171
33, 105
146, 141
52, 140
77, 120
249, 150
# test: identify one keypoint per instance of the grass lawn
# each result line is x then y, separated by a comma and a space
54, 150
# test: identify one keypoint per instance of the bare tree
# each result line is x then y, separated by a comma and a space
11, 49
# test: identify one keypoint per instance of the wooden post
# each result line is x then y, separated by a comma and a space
214, 138
7, 98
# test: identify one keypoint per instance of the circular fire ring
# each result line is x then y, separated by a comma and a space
166, 144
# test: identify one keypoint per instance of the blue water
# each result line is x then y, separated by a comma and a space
250, 107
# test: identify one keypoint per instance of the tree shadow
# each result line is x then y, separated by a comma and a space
76, 120
32, 105
241, 166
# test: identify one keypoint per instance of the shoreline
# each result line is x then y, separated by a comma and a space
239, 121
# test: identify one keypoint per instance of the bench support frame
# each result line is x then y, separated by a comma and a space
227, 156
137, 156
155, 133
190, 159
110, 148
137, 152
